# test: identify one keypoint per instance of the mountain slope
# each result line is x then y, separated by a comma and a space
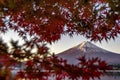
89, 50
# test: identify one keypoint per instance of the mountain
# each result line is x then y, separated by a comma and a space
89, 50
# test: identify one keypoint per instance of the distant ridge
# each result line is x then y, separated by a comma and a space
89, 50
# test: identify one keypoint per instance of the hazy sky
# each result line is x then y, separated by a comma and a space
66, 42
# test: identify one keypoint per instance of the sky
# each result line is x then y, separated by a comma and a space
67, 42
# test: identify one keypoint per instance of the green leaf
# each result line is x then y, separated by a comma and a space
11, 4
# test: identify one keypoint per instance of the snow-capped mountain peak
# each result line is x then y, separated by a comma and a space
86, 45
89, 50
82, 45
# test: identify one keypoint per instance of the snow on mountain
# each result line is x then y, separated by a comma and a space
89, 50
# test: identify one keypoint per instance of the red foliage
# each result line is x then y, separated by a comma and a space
49, 20
45, 21
53, 67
